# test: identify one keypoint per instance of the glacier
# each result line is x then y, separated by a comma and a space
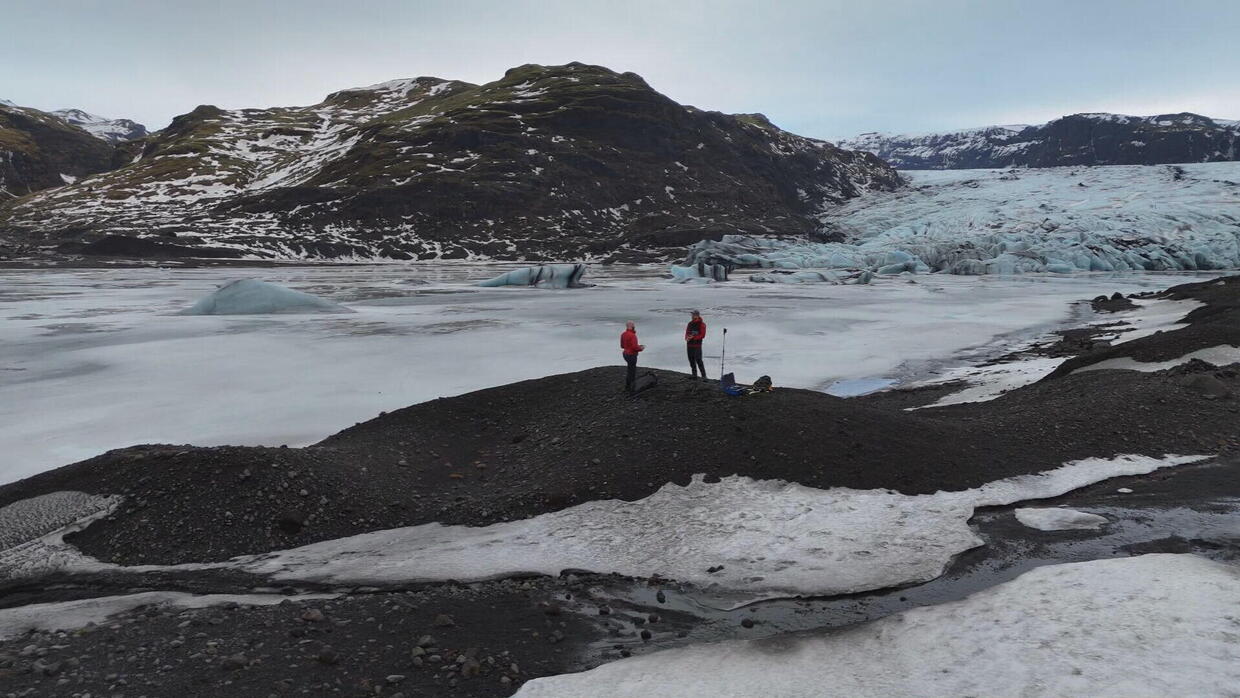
1058, 220
254, 297
545, 276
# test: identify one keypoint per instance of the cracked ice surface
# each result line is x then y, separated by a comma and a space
1059, 219
1150, 625
773, 538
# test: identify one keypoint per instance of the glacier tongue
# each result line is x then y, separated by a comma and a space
1058, 220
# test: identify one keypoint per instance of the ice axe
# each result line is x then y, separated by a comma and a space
723, 352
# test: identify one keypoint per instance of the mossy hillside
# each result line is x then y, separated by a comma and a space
548, 161
37, 148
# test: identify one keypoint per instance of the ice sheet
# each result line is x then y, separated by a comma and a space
773, 538
1155, 625
98, 359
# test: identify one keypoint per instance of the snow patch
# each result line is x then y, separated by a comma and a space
1149, 625
28, 519
72, 615
1221, 355
1059, 519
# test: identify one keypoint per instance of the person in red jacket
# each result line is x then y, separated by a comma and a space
629, 348
695, 332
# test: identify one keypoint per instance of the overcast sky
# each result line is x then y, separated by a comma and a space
817, 67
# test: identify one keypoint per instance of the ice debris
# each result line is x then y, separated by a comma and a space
545, 276
691, 272
1053, 519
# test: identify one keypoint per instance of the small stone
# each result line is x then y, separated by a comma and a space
426, 641
327, 656
395, 678
234, 661
660, 597
747, 623
646, 635
313, 615
443, 620
505, 680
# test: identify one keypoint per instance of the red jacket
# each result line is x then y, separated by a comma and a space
628, 342
695, 332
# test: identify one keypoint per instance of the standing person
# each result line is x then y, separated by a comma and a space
695, 332
630, 349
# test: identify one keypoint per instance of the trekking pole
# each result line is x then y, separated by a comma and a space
723, 352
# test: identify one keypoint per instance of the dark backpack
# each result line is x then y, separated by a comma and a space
646, 381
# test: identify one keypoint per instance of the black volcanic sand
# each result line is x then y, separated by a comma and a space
440, 640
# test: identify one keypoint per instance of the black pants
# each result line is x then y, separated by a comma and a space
695, 359
631, 374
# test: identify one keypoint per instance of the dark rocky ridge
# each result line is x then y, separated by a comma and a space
548, 162
1079, 139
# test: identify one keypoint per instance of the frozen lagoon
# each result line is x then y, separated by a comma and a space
97, 359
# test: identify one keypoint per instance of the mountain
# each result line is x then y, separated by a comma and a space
110, 130
547, 162
39, 150
1079, 139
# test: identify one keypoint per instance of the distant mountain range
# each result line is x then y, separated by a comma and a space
573, 161
550, 162
1079, 139
40, 150
110, 130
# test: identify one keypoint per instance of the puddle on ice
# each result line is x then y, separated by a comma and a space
856, 387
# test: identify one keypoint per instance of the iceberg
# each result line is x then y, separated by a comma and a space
713, 272
254, 297
545, 276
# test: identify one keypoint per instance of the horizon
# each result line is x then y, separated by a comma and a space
824, 70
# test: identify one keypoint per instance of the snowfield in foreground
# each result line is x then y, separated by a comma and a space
1057, 219
1151, 625
100, 359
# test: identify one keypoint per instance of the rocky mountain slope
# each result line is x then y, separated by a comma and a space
39, 150
547, 162
110, 130
1079, 139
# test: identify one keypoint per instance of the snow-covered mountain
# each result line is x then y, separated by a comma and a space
549, 161
39, 150
110, 130
1079, 139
